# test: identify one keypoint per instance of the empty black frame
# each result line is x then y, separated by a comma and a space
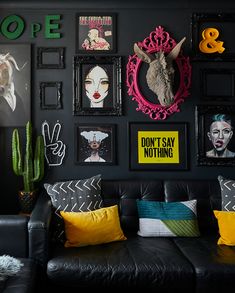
158, 146
97, 70
210, 150
58, 95
95, 144
56, 53
225, 24
211, 81
96, 33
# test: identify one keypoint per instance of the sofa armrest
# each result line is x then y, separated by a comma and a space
14, 235
38, 229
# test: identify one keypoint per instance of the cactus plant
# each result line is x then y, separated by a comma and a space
32, 169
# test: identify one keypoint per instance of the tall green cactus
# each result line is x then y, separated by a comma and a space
33, 168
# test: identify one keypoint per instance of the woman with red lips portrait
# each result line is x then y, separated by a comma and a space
97, 86
220, 135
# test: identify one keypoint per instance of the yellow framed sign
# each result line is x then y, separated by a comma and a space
158, 146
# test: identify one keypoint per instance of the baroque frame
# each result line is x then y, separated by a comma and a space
158, 146
113, 101
105, 133
158, 40
104, 24
203, 116
43, 97
55, 52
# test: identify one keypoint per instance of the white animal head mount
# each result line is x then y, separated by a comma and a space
160, 74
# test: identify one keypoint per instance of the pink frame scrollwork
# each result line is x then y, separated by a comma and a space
156, 41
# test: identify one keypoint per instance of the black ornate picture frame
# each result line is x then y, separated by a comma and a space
97, 85
158, 146
214, 134
225, 24
96, 33
95, 144
51, 57
50, 95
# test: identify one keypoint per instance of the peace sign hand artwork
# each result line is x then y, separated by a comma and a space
54, 148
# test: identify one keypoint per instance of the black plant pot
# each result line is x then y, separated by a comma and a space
27, 201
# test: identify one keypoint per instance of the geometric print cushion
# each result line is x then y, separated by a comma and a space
167, 219
73, 196
227, 187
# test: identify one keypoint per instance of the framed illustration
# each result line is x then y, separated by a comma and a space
96, 32
158, 146
95, 144
15, 83
97, 85
211, 80
50, 58
215, 137
51, 95
212, 38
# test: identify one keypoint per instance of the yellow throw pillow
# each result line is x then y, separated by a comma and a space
226, 223
90, 228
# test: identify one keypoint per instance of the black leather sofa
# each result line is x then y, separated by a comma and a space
155, 264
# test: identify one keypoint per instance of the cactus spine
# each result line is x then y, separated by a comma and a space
33, 168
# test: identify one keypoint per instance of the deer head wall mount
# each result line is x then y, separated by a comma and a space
159, 50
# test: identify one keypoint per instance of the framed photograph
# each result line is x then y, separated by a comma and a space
15, 72
97, 85
95, 144
51, 95
96, 32
215, 135
50, 58
158, 146
211, 33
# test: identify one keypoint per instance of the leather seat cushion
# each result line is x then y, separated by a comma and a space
214, 264
143, 262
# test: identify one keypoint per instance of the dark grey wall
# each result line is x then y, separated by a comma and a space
135, 20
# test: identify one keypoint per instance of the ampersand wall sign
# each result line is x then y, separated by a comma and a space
210, 44
161, 53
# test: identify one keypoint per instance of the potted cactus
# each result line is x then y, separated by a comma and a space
31, 168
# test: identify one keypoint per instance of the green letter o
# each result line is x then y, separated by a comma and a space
7, 21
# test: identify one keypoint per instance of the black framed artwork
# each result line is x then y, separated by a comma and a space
97, 85
212, 39
158, 146
96, 32
15, 72
95, 144
215, 137
50, 95
50, 57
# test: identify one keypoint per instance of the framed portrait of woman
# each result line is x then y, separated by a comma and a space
97, 85
215, 135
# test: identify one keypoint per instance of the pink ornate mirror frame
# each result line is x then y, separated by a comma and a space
158, 40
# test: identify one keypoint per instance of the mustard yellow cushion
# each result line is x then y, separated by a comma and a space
226, 223
90, 228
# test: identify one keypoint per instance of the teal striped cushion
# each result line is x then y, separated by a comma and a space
168, 219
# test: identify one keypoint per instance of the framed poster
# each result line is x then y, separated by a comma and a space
215, 137
95, 144
97, 85
96, 32
158, 146
15, 84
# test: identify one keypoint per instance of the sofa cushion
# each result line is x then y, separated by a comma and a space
137, 262
167, 218
226, 223
214, 264
73, 196
227, 193
90, 228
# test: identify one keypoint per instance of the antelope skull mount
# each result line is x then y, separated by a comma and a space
160, 74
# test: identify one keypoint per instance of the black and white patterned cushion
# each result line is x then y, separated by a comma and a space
227, 187
73, 196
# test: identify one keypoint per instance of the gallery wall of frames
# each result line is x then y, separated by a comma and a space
87, 75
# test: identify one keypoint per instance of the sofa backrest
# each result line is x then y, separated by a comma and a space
124, 193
